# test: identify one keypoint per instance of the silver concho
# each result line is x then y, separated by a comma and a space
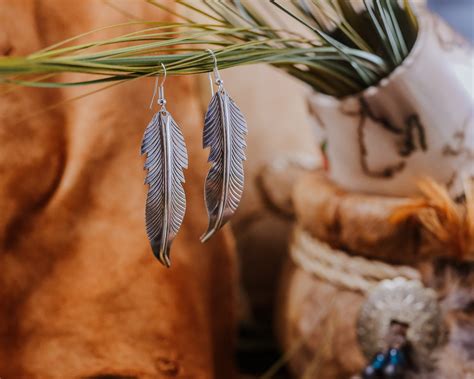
407, 302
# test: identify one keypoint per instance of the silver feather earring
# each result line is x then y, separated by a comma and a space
166, 158
224, 133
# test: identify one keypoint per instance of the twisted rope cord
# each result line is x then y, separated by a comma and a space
338, 268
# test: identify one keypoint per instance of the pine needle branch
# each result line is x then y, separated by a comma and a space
336, 54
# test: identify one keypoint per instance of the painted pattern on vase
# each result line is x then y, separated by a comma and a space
417, 122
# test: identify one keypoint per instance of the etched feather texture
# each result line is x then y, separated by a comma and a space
224, 133
166, 158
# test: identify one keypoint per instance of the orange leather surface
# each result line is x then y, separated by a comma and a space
81, 295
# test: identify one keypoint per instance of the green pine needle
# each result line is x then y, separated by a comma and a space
344, 51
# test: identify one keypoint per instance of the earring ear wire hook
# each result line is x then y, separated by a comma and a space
161, 89
217, 77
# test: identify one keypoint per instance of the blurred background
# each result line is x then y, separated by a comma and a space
458, 13
262, 231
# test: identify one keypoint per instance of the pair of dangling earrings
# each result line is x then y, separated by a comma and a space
166, 158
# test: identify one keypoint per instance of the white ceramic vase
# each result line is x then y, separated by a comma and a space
418, 122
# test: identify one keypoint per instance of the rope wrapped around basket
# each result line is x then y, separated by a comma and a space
337, 267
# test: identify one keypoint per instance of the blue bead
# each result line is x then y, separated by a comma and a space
396, 357
379, 361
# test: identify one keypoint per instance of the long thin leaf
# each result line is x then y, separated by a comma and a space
337, 54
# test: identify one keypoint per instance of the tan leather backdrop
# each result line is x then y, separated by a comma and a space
81, 295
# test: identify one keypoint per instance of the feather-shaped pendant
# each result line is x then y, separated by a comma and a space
224, 133
166, 158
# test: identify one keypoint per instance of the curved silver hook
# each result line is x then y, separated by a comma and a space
160, 88
213, 57
217, 76
164, 74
